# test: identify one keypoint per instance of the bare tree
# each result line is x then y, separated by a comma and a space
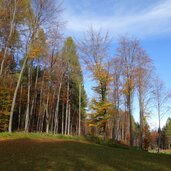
128, 52
116, 96
161, 99
143, 83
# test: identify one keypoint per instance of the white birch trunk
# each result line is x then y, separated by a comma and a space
28, 102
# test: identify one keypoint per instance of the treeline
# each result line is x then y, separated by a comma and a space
123, 81
41, 87
165, 142
41, 81
166, 135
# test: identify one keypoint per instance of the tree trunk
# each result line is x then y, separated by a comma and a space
40, 105
66, 115
31, 124
47, 114
141, 120
62, 118
57, 109
159, 131
19, 112
15, 94
130, 119
79, 122
28, 102
33, 104
69, 118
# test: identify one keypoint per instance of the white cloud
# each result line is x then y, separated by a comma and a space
151, 21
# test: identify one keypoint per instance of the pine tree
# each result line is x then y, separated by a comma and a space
74, 82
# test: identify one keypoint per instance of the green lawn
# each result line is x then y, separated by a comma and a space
22, 152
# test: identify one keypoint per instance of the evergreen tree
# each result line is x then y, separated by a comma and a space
168, 132
74, 79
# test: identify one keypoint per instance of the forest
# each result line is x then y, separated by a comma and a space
42, 78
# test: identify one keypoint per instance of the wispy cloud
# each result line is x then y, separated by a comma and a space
146, 20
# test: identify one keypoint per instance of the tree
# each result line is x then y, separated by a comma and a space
76, 98
94, 49
146, 135
168, 133
161, 98
42, 12
12, 16
143, 83
128, 51
116, 97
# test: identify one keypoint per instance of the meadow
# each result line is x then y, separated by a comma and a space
35, 152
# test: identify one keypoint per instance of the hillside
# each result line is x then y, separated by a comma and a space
40, 152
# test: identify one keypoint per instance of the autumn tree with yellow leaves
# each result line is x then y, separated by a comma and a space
94, 49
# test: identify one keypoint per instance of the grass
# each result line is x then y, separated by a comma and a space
41, 152
19, 135
167, 151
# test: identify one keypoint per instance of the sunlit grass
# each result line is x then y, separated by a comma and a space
18, 135
22, 152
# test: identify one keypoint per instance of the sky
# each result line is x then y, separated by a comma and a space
147, 20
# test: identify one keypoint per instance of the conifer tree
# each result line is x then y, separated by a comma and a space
74, 84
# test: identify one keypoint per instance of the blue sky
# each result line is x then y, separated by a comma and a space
147, 20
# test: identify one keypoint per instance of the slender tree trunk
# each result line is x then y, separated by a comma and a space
130, 119
141, 120
66, 115
9, 37
47, 114
33, 104
62, 118
159, 131
19, 112
71, 133
52, 112
15, 94
40, 105
42, 118
28, 101
57, 109
126, 122
69, 118
79, 126
129, 105
31, 124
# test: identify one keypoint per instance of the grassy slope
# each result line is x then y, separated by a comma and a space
40, 152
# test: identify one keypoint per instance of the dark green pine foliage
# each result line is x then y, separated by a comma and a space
75, 76
168, 133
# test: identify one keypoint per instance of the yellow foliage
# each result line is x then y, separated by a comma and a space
5, 113
92, 125
35, 52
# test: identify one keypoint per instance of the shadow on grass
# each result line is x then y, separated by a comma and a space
32, 154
